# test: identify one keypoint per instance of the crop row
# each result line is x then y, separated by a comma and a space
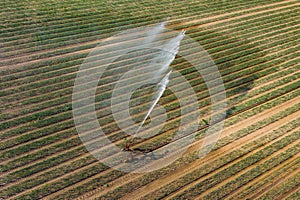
157, 142
262, 183
64, 40
75, 190
94, 21
79, 10
64, 51
211, 166
234, 156
238, 108
237, 17
91, 17
70, 124
66, 64
55, 148
284, 81
67, 76
29, 101
287, 113
283, 188
294, 195
259, 169
82, 15
55, 159
202, 38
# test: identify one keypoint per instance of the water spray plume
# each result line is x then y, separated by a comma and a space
161, 88
164, 59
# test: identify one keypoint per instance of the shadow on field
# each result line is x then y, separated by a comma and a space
240, 62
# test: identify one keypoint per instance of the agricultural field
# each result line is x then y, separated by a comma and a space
256, 47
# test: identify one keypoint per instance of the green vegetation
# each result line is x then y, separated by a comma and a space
255, 45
